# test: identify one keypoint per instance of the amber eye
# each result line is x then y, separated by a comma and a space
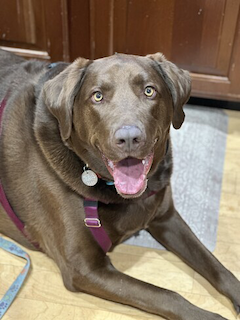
149, 91
97, 96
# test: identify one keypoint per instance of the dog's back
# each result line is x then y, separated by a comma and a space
16, 71
8, 59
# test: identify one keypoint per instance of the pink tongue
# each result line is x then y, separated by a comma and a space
129, 176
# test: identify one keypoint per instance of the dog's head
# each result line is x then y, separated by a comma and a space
115, 114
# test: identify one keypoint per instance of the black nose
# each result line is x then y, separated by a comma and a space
129, 138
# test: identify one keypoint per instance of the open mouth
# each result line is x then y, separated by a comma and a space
130, 174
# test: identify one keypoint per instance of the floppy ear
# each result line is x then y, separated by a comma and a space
60, 92
178, 82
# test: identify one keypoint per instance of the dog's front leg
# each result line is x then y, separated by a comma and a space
171, 230
97, 276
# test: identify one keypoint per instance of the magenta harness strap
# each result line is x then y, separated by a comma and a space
93, 222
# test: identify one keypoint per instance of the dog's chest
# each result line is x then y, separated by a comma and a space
123, 220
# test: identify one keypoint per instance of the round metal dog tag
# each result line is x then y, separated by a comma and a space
89, 178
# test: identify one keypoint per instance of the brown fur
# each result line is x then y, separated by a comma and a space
51, 128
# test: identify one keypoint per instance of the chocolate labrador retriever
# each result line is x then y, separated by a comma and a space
86, 162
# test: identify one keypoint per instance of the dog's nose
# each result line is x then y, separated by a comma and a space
129, 138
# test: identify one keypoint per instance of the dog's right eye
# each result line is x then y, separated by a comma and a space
97, 96
149, 92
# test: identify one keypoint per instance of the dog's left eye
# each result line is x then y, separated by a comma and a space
97, 96
149, 92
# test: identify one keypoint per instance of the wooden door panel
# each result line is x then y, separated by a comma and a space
228, 35
79, 29
33, 28
150, 26
20, 28
207, 37
25, 31
197, 35
101, 36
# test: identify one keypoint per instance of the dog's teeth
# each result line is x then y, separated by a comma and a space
110, 164
143, 162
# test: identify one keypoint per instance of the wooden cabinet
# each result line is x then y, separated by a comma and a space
34, 28
202, 36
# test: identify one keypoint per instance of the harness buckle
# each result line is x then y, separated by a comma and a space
92, 222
